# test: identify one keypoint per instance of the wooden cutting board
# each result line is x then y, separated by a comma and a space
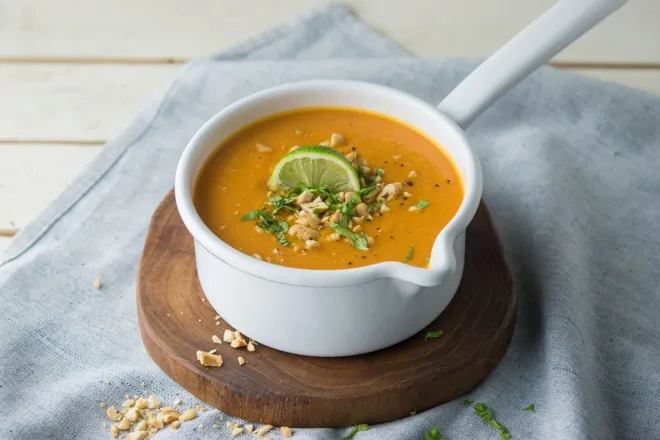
285, 389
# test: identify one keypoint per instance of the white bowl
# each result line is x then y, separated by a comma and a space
328, 312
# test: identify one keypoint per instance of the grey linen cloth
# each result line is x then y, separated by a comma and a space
572, 176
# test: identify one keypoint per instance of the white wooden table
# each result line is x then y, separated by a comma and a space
74, 72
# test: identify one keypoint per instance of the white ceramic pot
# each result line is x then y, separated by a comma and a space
353, 311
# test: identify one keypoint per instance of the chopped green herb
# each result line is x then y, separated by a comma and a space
379, 172
433, 434
427, 260
375, 206
359, 241
270, 224
251, 215
413, 412
487, 415
355, 430
422, 204
530, 408
281, 202
468, 402
409, 254
364, 191
433, 335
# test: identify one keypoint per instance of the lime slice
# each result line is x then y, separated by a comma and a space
314, 166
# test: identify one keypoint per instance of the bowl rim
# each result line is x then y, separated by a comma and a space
443, 259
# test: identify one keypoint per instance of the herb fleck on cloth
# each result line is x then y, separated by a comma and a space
572, 178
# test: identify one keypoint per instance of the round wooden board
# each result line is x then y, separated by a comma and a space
291, 390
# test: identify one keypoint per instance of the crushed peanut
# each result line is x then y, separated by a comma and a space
228, 336
412, 174
216, 339
124, 425
261, 148
114, 431
128, 403
141, 426
241, 361
312, 244
263, 430
137, 435
209, 360
132, 414
258, 257
175, 424
236, 432
231, 425
187, 415
112, 414
251, 347
336, 140
286, 431
213, 351
141, 403
238, 343
102, 404
152, 402
97, 284
249, 428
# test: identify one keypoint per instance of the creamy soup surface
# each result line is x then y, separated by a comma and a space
398, 227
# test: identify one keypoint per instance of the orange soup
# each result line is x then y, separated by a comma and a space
409, 191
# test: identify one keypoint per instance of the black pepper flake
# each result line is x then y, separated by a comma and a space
437, 186
391, 237
364, 257
385, 161
405, 198
409, 183
401, 204
350, 263
401, 164
353, 148
448, 181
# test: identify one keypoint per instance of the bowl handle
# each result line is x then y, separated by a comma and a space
558, 27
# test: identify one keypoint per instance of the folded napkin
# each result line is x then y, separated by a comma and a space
572, 179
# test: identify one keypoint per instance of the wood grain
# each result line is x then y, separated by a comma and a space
285, 389
184, 29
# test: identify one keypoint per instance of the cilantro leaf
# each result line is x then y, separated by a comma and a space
281, 202
422, 204
375, 206
433, 335
360, 242
433, 434
379, 172
364, 191
409, 254
251, 215
487, 415
530, 408
355, 430
468, 402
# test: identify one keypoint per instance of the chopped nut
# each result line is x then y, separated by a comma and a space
261, 148
97, 284
312, 244
112, 414
295, 248
351, 156
385, 208
216, 339
152, 402
358, 229
258, 229
304, 233
325, 143
141, 403
348, 196
357, 220
317, 205
362, 210
128, 403
102, 404
137, 435
177, 401
295, 147
286, 431
406, 194
141, 426
336, 217
238, 343
309, 220
241, 361
217, 317
123, 411
336, 140
238, 335
114, 431
217, 323
258, 257
397, 156
213, 351
412, 174
333, 237
188, 414
175, 424
228, 336
124, 425
250, 346
249, 428
231, 425
236, 432
168, 416
370, 241
200, 408
390, 191
304, 197
276, 251
209, 360
414, 208
132, 414
263, 430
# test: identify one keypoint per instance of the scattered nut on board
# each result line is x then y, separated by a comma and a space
286, 431
263, 430
97, 284
241, 361
209, 360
